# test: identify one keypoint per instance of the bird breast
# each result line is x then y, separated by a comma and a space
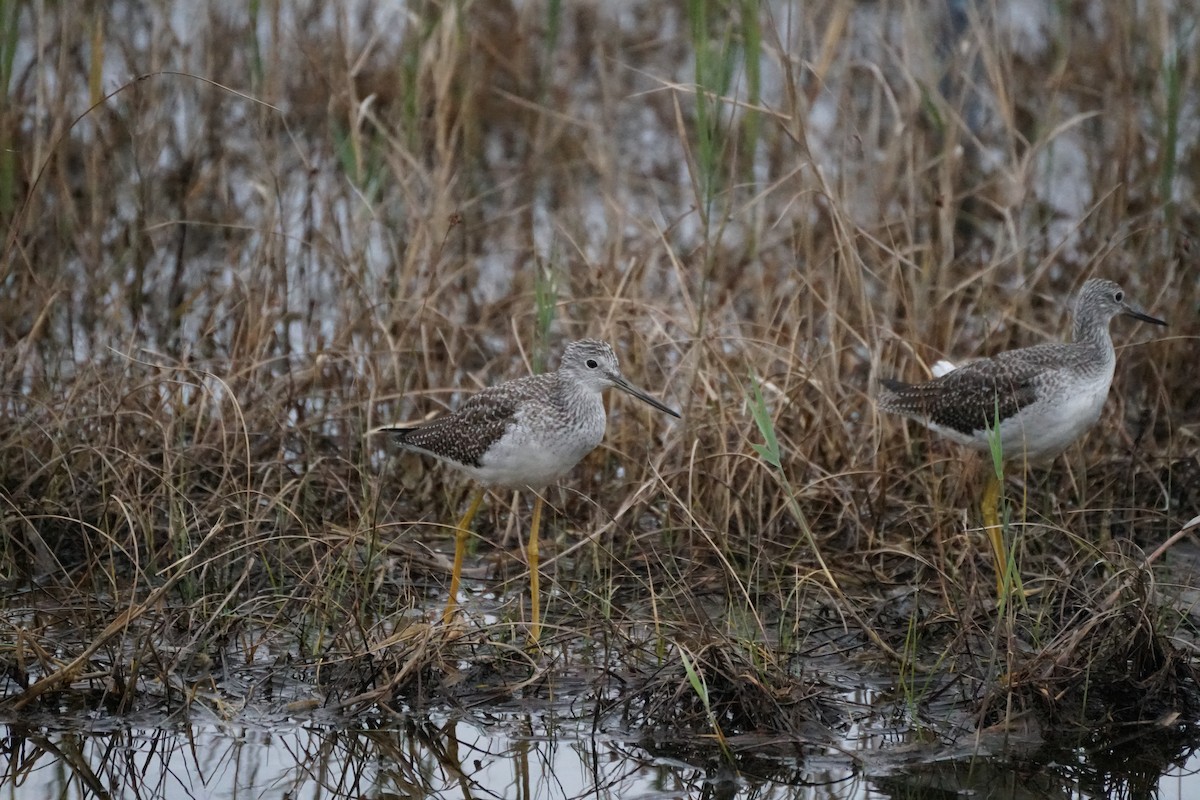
1050, 426
540, 448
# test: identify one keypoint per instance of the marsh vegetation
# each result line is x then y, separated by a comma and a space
238, 237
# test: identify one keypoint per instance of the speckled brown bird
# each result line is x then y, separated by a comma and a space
526, 433
1034, 402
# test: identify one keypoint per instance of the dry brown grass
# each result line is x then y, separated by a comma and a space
233, 246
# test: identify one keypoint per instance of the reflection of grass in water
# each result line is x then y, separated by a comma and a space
212, 298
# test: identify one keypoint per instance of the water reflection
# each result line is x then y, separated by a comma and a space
447, 759
514, 756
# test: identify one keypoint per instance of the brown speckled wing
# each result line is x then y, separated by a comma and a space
968, 399
462, 436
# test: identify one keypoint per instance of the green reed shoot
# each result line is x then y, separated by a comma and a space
1172, 90
9, 31
700, 687
770, 453
545, 302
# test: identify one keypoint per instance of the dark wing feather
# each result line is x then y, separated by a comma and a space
970, 398
463, 436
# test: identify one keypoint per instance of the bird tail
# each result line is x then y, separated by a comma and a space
398, 431
890, 393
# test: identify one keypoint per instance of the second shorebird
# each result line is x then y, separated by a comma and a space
1034, 402
526, 433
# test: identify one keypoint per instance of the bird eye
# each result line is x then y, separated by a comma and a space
1119, 296
592, 363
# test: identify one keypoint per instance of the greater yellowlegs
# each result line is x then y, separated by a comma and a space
526, 433
1033, 402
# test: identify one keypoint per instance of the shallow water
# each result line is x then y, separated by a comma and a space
529, 755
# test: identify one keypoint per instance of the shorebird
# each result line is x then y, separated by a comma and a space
524, 434
1028, 404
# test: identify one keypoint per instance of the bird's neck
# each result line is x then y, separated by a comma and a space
1092, 331
574, 399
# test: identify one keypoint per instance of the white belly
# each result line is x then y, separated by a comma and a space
530, 455
1046, 428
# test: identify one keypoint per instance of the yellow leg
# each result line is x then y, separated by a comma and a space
991, 521
460, 550
535, 594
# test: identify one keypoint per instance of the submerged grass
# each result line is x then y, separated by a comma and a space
218, 287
